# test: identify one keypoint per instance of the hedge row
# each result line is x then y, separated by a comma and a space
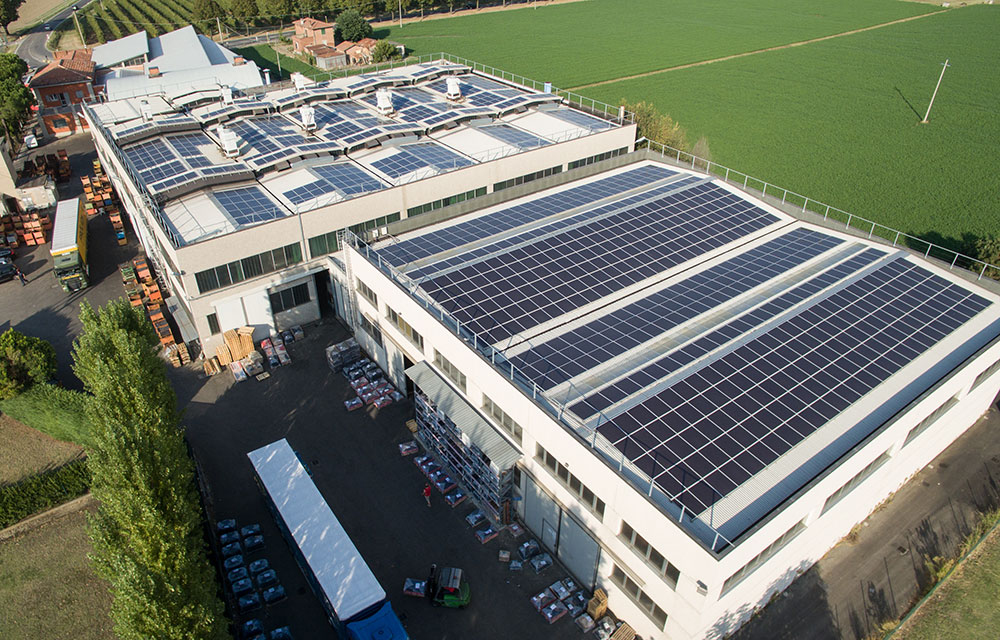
53, 410
43, 491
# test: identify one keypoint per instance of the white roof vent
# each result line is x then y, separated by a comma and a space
308, 116
299, 80
383, 102
230, 142
146, 111
454, 89
227, 94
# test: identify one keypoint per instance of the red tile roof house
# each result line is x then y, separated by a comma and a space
59, 86
361, 52
310, 31
327, 57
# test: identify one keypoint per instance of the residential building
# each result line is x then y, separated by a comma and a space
59, 86
327, 57
310, 31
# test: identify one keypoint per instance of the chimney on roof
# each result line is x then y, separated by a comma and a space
308, 116
227, 94
230, 143
238, 60
153, 72
454, 89
383, 102
299, 80
146, 111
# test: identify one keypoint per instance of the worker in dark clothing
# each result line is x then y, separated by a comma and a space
20, 276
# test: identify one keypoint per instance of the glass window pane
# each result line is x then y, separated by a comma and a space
293, 253
317, 246
251, 266
222, 273
207, 281
279, 258
276, 303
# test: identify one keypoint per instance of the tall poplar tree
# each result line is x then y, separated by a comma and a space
147, 532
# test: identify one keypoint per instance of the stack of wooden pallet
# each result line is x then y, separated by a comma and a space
63, 171
238, 345
30, 228
212, 366
178, 354
143, 291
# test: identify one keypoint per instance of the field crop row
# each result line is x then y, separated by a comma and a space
113, 19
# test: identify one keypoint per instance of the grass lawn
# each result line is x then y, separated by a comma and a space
266, 57
47, 588
966, 605
583, 42
838, 120
26, 452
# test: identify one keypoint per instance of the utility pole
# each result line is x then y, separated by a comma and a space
400, 14
218, 25
78, 29
944, 67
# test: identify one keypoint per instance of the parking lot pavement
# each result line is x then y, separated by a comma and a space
374, 492
42, 308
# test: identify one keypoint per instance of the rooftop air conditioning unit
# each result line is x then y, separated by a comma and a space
308, 116
299, 80
383, 102
227, 94
146, 111
454, 89
230, 143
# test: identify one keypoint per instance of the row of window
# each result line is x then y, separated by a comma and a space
929, 420
860, 477
369, 327
586, 496
502, 419
367, 292
247, 268
404, 327
763, 556
529, 177
444, 202
326, 243
986, 374
629, 586
289, 298
650, 555
582, 162
450, 370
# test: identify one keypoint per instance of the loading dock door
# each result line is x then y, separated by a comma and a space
578, 551
540, 510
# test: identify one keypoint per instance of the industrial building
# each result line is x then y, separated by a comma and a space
686, 394
238, 193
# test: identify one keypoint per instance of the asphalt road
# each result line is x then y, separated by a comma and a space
32, 48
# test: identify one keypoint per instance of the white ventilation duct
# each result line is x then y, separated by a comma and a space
383, 102
308, 117
299, 80
230, 143
146, 111
454, 89
227, 94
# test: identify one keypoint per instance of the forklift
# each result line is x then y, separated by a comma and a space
447, 587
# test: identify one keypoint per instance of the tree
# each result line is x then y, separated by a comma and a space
24, 361
147, 531
656, 126
384, 50
275, 9
987, 249
15, 102
8, 12
208, 11
352, 26
12, 66
242, 9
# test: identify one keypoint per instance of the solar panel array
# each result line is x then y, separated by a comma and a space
580, 119
462, 233
725, 334
500, 296
515, 137
248, 205
581, 349
342, 177
723, 423
421, 155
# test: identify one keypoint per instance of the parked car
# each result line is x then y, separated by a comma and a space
274, 594
7, 271
239, 573
251, 628
282, 633
225, 525
229, 537
231, 549
232, 562
250, 530
259, 565
266, 578
249, 602
242, 586
253, 543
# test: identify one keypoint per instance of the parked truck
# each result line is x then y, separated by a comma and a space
69, 245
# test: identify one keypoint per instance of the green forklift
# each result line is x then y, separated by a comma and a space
447, 587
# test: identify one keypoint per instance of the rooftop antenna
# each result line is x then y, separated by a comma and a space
383, 102
230, 143
299, 80
146, 111
454, 89
227, 94
308, 116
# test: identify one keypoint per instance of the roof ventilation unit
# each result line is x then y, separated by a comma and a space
308, 116
299, 80
454, 89
227, 94
230, 143
383, 102
146, 111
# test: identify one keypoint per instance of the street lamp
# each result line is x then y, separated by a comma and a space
77, 21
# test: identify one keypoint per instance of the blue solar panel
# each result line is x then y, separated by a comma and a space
725, 334
711, 431
483, 227
417, 113
248, 205
514, 136
150, 154
581, 119
348, 178
308, 192
253, 137
501, 296
611, 335
412, 157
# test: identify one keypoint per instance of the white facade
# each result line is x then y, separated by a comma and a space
695, 606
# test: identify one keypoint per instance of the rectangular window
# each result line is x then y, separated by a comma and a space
986, 374
502, 419
404, 327
361, 228
513, 182
587, 497
929, 420
444, 202
655, 559
366, 291
763, 556
449, 370
369, 327
213, 324
598, 158
249, 267
323, 244
855, 481
290, 298
629, 586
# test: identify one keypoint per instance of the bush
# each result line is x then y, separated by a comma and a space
52, 410
24, 360
383, 51
43, 491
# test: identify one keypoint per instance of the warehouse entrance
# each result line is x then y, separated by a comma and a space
561, 534
325, 294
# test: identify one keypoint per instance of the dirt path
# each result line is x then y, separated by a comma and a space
44, 517
753, 53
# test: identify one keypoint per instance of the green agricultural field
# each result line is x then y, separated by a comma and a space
583, 42
838, 120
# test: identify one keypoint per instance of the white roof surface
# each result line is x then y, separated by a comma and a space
121, 50
340, 570
64, 227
